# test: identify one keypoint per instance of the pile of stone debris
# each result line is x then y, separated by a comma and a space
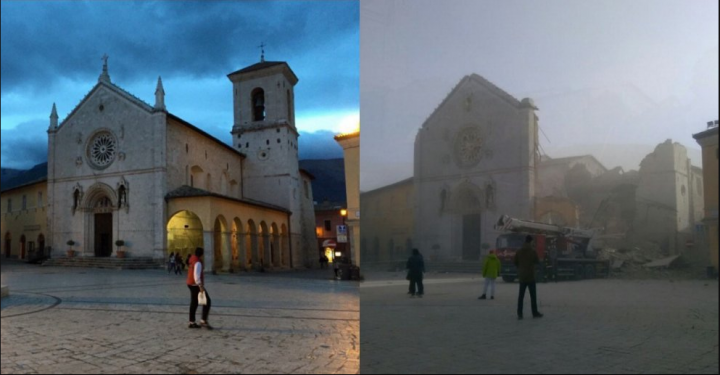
646, 260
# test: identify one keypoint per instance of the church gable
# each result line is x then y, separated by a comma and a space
473, 95
477, 127
108, 131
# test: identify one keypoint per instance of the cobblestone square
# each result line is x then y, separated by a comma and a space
592, 326
71, 320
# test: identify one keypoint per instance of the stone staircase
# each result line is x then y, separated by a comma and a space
111, 263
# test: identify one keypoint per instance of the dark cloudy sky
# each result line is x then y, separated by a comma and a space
612, 78
51, 52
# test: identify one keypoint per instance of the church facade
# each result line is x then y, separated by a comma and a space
120, 169
475, 160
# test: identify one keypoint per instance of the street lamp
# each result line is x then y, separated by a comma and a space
343, 213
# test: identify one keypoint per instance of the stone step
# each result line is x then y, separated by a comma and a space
115, 263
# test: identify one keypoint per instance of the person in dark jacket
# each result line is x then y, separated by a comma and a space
416, 268
525, 261
179, 266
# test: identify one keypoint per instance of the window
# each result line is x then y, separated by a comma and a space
40, 201
328, 226
258, 104
24, 202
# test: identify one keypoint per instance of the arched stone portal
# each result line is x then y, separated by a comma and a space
184, 234
99, 206
467, 202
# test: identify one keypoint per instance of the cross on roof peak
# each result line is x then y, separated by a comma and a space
262, 51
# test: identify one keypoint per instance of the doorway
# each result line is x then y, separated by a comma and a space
103, 235
8, 245
22, 247
471, 237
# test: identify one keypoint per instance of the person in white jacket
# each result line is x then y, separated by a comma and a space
196, 284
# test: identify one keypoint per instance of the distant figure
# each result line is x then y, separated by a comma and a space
491, 270
178, 264
336, 266
187, 260
416, 268
323, 261
196, 283
525, 261
171, 262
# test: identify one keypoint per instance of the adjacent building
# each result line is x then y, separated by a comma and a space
351, 149
708, 140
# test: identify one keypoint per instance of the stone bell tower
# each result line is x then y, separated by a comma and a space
264, 130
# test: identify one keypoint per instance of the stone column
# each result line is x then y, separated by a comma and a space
227, 251
255, 249
266, 256
276, 251
209, 247
242, 253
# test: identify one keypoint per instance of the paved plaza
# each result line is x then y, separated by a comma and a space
70, 320
592, 326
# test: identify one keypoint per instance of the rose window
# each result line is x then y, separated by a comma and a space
468, 147
102, 150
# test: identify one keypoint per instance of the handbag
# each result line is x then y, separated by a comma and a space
202, 299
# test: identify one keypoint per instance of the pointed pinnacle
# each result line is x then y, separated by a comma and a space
159, 87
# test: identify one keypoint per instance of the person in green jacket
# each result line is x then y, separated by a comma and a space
491, 270
525, 261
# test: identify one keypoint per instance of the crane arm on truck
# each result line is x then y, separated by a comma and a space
509, 224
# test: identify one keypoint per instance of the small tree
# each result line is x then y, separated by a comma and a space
120, 244
70, 252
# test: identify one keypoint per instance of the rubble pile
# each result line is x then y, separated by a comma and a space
633, 259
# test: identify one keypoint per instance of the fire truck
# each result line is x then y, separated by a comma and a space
564, 252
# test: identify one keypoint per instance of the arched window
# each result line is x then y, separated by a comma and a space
258, 104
